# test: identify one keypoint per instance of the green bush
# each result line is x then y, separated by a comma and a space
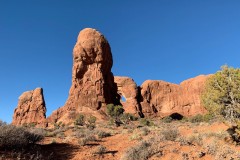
125, 117
196, 119
110, 110
80, 120
91, 126
114, 111
170, 134
103, 134
56, 126
167, 119
146, 122
92, 119
201, 118
221, 95
84, 141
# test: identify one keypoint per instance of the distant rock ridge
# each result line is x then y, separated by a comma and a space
31, 109
94, 86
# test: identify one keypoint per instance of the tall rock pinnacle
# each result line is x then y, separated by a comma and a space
92, 80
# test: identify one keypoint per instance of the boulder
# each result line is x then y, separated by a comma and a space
31, 109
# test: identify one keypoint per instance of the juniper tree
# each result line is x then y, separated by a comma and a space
222, 93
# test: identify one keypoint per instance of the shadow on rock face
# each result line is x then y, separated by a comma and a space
176, 116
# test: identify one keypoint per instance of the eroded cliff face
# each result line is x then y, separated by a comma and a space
92, 80
31, 109
159, 98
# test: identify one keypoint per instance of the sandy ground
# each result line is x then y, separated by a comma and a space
122, 139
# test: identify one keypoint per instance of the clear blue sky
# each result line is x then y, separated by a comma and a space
169, 40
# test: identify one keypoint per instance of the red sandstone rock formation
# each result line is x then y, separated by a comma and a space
31, 109
128, 89
92, 80
93, 87
161, 98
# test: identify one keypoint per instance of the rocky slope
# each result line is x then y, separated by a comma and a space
31, 109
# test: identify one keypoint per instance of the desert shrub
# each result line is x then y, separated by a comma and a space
185, 156
84, 141
35, 135
167, 119
125, 117
183, 141
80, 133
219, 135
102, 134
11, 137
114, 111
63, 125
224, 152
227, 153
170, 134
32, 125
144, 131
60, 135
56, 126
56, 132
29, 125
100, 150
196, 119
80, 120
138, 152
221, 95
211, 147
144, 150
135, 136
91, 122
110, 110
92, 119
17, 137
201, 118
67, 139
196, 139
146, 122
91, 126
